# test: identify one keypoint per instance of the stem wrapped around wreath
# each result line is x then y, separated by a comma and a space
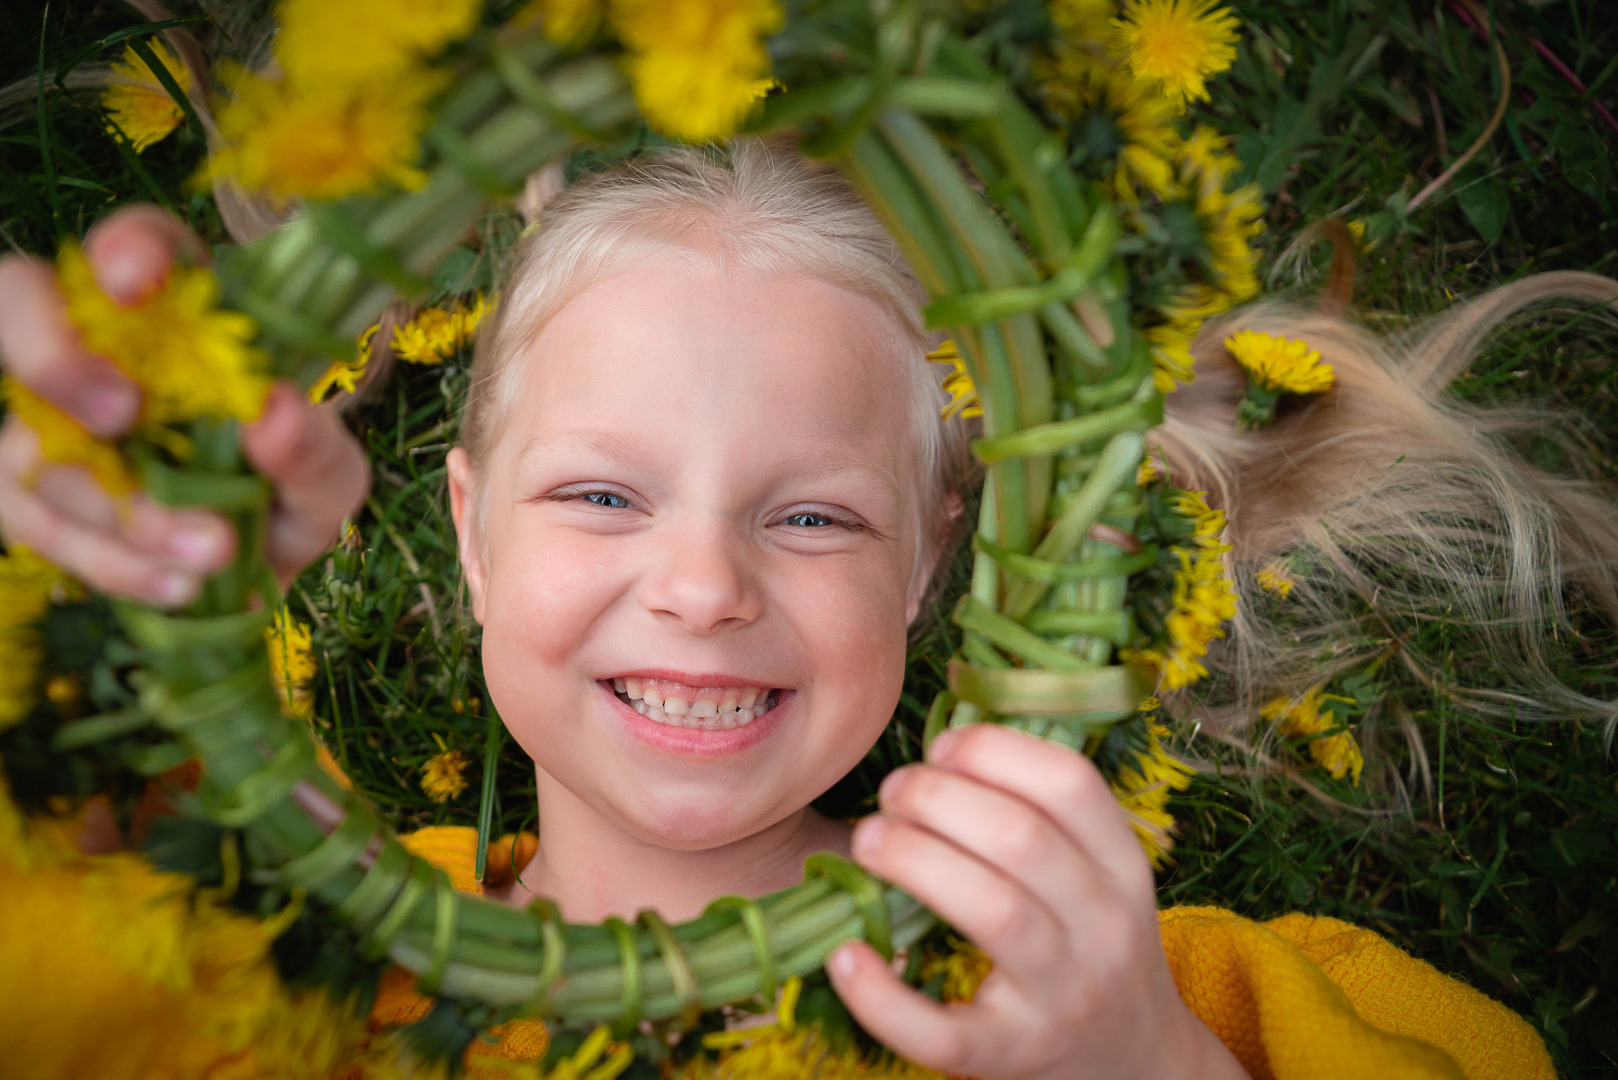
1031, 286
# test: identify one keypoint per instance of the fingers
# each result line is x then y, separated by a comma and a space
995, 911
319, 471
1002, 830
915, 1026
41, 349
131, 547
1065, 785
132, 251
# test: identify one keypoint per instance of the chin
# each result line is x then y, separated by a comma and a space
684, 821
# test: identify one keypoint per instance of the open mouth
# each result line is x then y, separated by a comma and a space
708, 708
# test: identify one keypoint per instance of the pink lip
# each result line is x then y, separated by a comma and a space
695, 741
690, 679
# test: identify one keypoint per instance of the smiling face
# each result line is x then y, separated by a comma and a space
705, 490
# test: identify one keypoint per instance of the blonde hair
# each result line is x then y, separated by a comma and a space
757, 206
1386, 495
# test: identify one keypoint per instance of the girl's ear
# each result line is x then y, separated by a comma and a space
954, 506
463, 500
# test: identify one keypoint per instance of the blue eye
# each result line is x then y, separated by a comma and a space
804, 519
607, 499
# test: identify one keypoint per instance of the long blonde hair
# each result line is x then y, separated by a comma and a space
1388, 501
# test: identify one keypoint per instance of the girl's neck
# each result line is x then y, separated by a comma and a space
592, 869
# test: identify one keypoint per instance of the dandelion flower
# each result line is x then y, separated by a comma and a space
1338, 754
292, 663
345, 375
325, 142
963, 396
26, 583
1279, 363
567, 21
698, 66
1177, 44
444, 776
1172, 362
189, 357
315, 42
437, 333
1204, 598
963, 968
63, 441
1274, 578
137, 103
1145, 788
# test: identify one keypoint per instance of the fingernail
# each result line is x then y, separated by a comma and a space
124, 275
196, 547
868, 835
174, 589
938, 749
108, 409
840, 964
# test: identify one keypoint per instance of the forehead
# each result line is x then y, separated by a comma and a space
788, 357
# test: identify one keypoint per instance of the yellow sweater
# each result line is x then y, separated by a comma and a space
1295, 998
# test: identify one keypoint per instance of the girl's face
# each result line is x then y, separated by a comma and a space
704, 495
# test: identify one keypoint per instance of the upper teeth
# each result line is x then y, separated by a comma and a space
710, 708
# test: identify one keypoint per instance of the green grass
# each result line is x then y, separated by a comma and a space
1503, 870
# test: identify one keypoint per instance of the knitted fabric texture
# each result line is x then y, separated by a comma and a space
1296, 998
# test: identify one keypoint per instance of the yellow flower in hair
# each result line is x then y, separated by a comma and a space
1338, 754
138, 103
26, 583
1275, 366
189, 357
697, 66
1177, 44
1279, 363
63, 441
437, 333
325, 141
1274, 578
963, 396
345, 375
443, 777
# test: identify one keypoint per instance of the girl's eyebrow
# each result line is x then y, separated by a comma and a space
607, 444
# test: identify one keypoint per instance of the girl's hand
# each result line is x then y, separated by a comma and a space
1019, 844
140, 549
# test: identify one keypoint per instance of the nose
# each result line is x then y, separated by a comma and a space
704, 578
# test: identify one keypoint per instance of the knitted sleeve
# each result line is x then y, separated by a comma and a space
1303, 997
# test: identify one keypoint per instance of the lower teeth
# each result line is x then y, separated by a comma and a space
723, 721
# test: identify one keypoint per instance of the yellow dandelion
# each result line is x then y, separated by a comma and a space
345, 375
190, 357
63, 441
1177, 44
1078, 59
1274, 578
597, 1058
325, 142
137, 103
1192, 304
565, 21
963, 396
963, 967
292, 663
316, 39
1172, 362
26, 583
443, 777
697, 67
1148, 471
436, 334
1204, 597
1338, 754
1228, 220
1145, 788
1275, 366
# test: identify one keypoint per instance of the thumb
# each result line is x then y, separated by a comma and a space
319, 472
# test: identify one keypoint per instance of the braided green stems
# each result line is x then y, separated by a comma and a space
1033, 295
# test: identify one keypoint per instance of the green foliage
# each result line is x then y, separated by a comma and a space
1502, 868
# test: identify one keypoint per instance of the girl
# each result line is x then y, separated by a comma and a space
701, 494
